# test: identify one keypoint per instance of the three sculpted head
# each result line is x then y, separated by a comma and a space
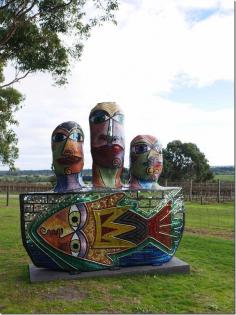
107, 141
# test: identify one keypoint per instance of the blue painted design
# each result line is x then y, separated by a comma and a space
39, 258
149, 255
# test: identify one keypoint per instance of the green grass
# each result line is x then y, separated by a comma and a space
225, 177
208, 289
217, 216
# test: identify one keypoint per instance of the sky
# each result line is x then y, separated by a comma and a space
167, 63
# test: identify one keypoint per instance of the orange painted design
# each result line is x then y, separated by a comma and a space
56, 231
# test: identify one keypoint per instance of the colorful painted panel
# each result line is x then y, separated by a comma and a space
92, 230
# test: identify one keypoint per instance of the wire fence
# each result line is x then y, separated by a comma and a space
210, 216
208, 192
215, 214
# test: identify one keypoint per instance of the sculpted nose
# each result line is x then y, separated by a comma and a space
110, 130
68, 152
69, 148
153, 154
109, 139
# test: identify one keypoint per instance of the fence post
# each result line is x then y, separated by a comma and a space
190, 190
7, 201
218, 193
165, 182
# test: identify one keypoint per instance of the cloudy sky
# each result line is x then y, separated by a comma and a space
168, 64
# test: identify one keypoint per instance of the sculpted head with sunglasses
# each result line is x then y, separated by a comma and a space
107, 144
146, 162
68, 158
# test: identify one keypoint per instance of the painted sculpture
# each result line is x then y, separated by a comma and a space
146, 162
107, 144
106, 225
68, 158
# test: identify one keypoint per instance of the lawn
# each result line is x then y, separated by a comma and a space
215, 216
208, 289
225, 177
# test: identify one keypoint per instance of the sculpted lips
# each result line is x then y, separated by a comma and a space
116, 149
70, 159
106, 149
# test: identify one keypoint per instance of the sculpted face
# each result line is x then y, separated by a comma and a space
107, 135
146, 159
67, 148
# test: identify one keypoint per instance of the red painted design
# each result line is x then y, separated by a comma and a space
159, 227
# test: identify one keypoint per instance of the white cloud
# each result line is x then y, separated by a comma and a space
132, 64
206, 4
209, 50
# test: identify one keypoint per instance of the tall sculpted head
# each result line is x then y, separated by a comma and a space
67, 151
146, 161
107, 144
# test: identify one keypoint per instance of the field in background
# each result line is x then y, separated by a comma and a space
225, 177
209, 192
210, 216
224, 173
208, 289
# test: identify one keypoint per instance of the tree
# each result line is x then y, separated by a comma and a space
185, 161
9, 103
42, 35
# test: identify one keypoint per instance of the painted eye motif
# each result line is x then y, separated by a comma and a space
76, 136
140, 148
74, 219
75, 245
119, 118
99, 117
58, 137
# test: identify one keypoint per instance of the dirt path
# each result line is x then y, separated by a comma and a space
229, 235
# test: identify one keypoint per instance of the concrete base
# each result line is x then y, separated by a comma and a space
175, 265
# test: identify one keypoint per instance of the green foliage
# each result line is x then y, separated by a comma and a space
185, 161
9, 103
41, 35
208, 289
33, 32
26, 179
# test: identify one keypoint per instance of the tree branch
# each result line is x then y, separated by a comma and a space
17, 79
6, 5
9, 34
25, 10
16, 21
55, 8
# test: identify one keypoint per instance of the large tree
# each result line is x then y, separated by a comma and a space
185, 161
9, 103
41, 35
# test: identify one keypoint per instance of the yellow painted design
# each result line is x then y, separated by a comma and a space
110, 107
107, 232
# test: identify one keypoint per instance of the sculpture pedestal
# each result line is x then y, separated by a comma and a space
175, 265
